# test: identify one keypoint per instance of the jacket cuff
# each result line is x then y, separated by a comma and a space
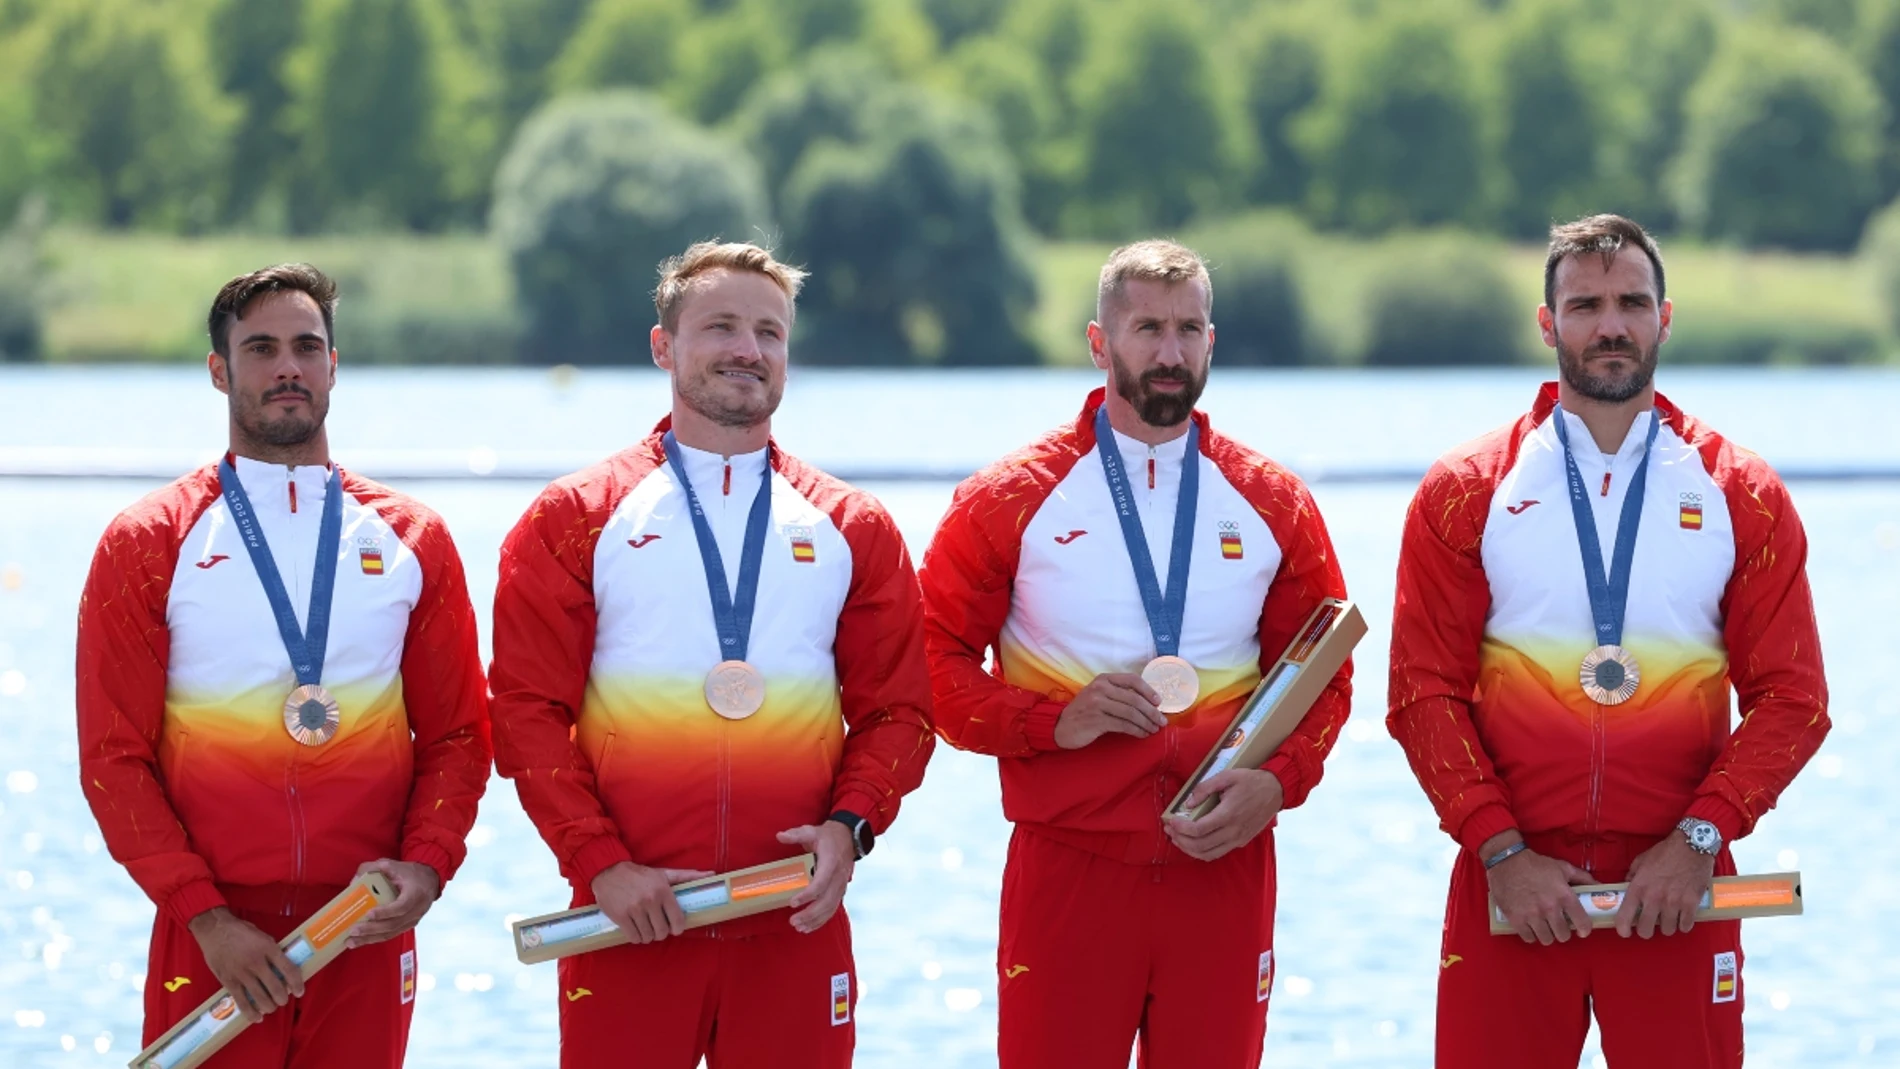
1039, 725
860, 801
1730, 821
598, 856
194, 898
1292, 781
436, 858
1482, 824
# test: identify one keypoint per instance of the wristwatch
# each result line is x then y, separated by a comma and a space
1704, 837
862, 838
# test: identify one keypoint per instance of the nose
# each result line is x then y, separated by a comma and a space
1172, 352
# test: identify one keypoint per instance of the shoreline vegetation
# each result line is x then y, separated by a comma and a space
449, 299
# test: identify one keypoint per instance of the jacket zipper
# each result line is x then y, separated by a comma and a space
296, 834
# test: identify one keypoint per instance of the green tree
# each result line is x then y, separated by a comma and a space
596, 191
624, 43
1838, 19
1284, 57
1007, 80
1879, 51
722, 60
23, 270
393, 116
904, 206
1655, 55
251, 41
1551, 121
1396, 138
958, 19
1162, 137
518, 41
1783, 145
138, 128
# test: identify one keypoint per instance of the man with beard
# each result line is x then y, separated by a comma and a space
1134, 571
1577, 591
708, 656
238, 810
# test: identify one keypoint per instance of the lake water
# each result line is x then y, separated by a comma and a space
1362, 864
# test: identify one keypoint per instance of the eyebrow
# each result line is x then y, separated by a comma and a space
305, 336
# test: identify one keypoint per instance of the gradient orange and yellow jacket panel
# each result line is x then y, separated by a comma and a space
1030, 562
1492, 619
603, 638
182, 677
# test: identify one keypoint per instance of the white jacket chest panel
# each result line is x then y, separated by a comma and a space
654, 611
1076, 606
224, 637
1534, 564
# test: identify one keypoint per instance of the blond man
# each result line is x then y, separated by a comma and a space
709, 655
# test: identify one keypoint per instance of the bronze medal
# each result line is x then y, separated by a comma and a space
1175, 682
311, 715
735, 689
1609, 675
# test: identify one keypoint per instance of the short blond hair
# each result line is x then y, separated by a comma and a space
678, 273
1155, 260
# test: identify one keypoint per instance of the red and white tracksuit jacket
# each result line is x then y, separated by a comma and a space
1493, 617
604, 634
1491, 621
198, 789
1030, 561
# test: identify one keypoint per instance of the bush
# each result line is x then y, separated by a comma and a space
1442, 303
624, 43
1259, 317
1284, 57
382, 334
594, 193
23, 268
915, 243
1786, 342
1783, 144
1552, 122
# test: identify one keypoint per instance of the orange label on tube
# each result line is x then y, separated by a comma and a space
1741, 893
788, 877
325, 927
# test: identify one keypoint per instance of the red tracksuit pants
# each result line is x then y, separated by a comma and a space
1097, 956
354, 1012
779, 999
1667, 1002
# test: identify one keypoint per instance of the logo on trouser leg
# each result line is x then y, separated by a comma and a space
408, 976
1264, 986
841, 999
1725, 977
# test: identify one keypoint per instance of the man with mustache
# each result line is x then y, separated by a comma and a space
1577, 592
1134, 571
279, 688
708, 656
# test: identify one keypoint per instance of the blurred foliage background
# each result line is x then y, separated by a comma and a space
494, 180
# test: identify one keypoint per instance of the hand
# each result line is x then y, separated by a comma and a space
837, 862
248, 963
1249, 799
417, 887
1667, 882
640, 900
1112, 702
1534, 892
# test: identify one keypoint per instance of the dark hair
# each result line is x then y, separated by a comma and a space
238, 294
1605, 235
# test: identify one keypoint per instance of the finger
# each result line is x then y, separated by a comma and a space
1577, 917
824, 880
805, 836
1133, 683
1647, 915
1576, 875
251, 1005
288, 970
641, 924
675, 916
408, 897
1145, 719
1626, 916
276, 992
1524, 931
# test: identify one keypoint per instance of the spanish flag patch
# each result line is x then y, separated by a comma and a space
369, 554
1726, 976
1230, 548
803, 550
1691, 512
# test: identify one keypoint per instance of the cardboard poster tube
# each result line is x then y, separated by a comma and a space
1771, 894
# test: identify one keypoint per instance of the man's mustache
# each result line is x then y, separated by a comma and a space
288, 388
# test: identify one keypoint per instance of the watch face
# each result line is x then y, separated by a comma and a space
1704, 836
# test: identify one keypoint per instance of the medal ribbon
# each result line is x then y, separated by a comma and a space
305, 645
731, 616
1609, 597
1165, 614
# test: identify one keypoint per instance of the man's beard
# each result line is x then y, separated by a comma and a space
701, 395
1158, 409
285, 431
1611, 388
